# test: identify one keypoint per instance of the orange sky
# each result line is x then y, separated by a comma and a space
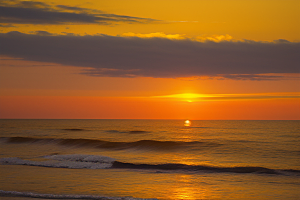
73, 107
136, 59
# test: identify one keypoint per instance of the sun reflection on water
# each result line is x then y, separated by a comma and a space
186, 189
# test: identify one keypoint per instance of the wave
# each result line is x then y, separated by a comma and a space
108, 131
4, 193
115, 131
130, 132
79, 161
198, 127
72, 161
194, 168
73, 129
141, 144
138, 132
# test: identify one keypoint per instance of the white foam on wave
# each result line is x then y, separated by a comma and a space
73, 161
82, 158
63, 196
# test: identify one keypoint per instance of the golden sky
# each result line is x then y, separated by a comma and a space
150, 59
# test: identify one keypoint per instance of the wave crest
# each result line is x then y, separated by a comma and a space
72, 161
141, 144
80, 161
195, 168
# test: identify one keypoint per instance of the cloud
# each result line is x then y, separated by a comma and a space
155, 35
215, 38
203, 38
43, 33
73, 8
114, 56
6, 25
29, 12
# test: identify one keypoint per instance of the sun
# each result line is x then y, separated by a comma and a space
187, 123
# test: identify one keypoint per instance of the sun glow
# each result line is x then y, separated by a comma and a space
187, 123
188, 97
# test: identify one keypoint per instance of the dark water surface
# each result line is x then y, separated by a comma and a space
158, 159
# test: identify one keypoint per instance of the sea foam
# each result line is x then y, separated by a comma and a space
73, 161
81, 161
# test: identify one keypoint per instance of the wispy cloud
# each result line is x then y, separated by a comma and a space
155, 35
202, 38
6, 25
112, 56
29, 12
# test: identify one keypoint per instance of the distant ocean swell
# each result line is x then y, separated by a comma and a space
141, 144
62, 196
108, 131
78, 161
131, 132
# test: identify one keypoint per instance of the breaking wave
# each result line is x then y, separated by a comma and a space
194, 168
4, 193
141, 144
79, 161
73, 129
72, 161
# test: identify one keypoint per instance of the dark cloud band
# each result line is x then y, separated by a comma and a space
27, 12
111, 56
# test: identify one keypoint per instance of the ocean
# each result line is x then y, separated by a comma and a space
149, 159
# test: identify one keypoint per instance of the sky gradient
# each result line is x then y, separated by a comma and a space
194, 59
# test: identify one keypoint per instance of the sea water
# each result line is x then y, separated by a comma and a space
149, 159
